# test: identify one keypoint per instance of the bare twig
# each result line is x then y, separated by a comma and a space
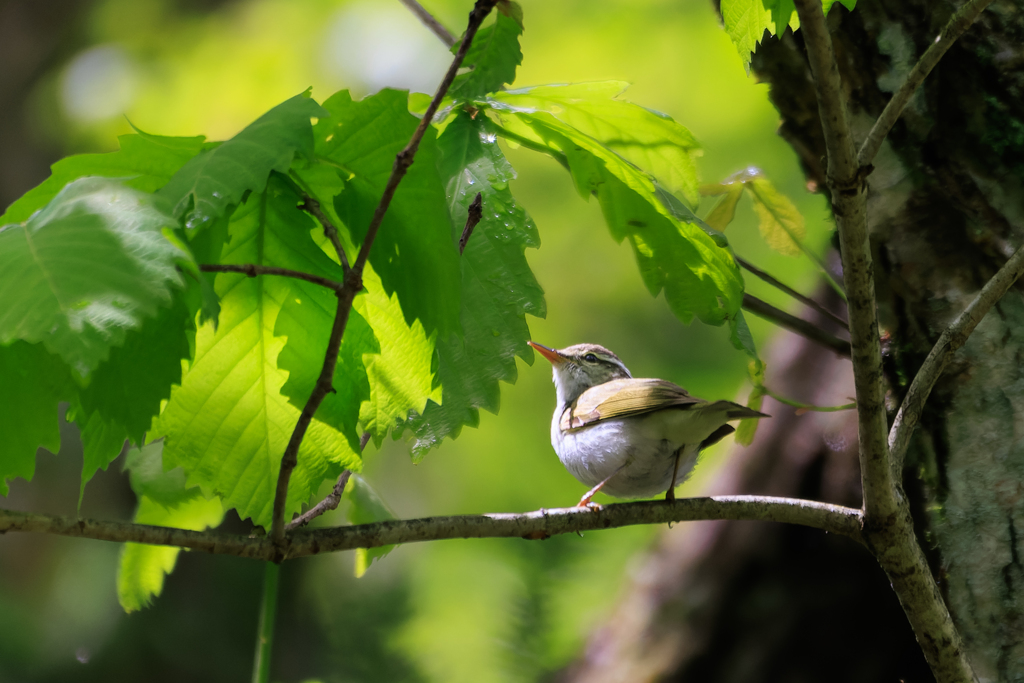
252, 270
805, 300
765, 310
536, 525
312, 206
953, 29
888, 526
954, 337
353, 278
473, 216
430, 22
329, 503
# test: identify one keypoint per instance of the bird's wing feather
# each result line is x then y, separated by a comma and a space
625, 398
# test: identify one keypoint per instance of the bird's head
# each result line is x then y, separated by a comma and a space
577, 368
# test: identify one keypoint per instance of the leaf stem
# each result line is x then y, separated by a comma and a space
265, 630
805, 300
765, 310
954, 28
353, 278
252, 270
807, 406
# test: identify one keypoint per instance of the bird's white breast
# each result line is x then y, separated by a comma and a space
635, 446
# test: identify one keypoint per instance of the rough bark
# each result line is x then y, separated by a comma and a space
946, 209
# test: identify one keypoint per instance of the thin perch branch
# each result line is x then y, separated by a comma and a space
954, 337
252, 270
536, 525
781, 286
765, 310
353, 279
430, 22
959, 23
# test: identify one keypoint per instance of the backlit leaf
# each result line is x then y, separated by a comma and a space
780, 222
366, 507
492, 59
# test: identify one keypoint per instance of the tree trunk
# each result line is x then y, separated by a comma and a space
946, 208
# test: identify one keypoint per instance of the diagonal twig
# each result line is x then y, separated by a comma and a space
954, 337
537, 525
312, 206
430, 22
353, 278
252, 270
805, 300
765, 310
473, 216
330, 502
953, 29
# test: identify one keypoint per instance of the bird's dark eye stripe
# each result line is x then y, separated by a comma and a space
590, 358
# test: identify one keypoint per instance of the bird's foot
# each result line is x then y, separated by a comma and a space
670, 495
585, 502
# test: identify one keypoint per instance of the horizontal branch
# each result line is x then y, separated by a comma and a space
954, 337
953, 29
765, 310
252, 270
537, 525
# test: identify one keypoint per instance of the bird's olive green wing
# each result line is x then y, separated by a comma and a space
624, 398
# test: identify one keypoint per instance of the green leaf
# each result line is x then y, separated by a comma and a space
780, 222
747, 20
415, 250
147, 477
204, 188
145, 162
34, 383
228, 423
93, 264
141, 568
747, 429
620, 133
102, 442
498, 287
826, 5
492, 59
128, 387
366, 507
400, 373
740, 336
724, 211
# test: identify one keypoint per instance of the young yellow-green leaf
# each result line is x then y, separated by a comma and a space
204, 188
400, 374
415, 250
498, 287
366, 507
747, 20
228, 423
780, 222
649, 140
34, 383
724, 210
142, 568
80, 273
145, 162
492, 59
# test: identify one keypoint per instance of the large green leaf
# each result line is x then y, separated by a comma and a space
747, 20
147, 476
498, 287
94, 263
644, 138
676, 252
400, 374
228, 423
491, 59
102, 441
34, 383
145, 162
414, 252
209, 183
141, 568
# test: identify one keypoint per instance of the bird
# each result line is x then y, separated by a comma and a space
629, 437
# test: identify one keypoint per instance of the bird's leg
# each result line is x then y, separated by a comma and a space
585, 500
670, 495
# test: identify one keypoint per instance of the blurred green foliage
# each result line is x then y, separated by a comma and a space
504, 610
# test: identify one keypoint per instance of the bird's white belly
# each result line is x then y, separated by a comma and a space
643, 461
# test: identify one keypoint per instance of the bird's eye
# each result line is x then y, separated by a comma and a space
590, 358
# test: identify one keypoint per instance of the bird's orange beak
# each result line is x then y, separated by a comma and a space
551, 354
